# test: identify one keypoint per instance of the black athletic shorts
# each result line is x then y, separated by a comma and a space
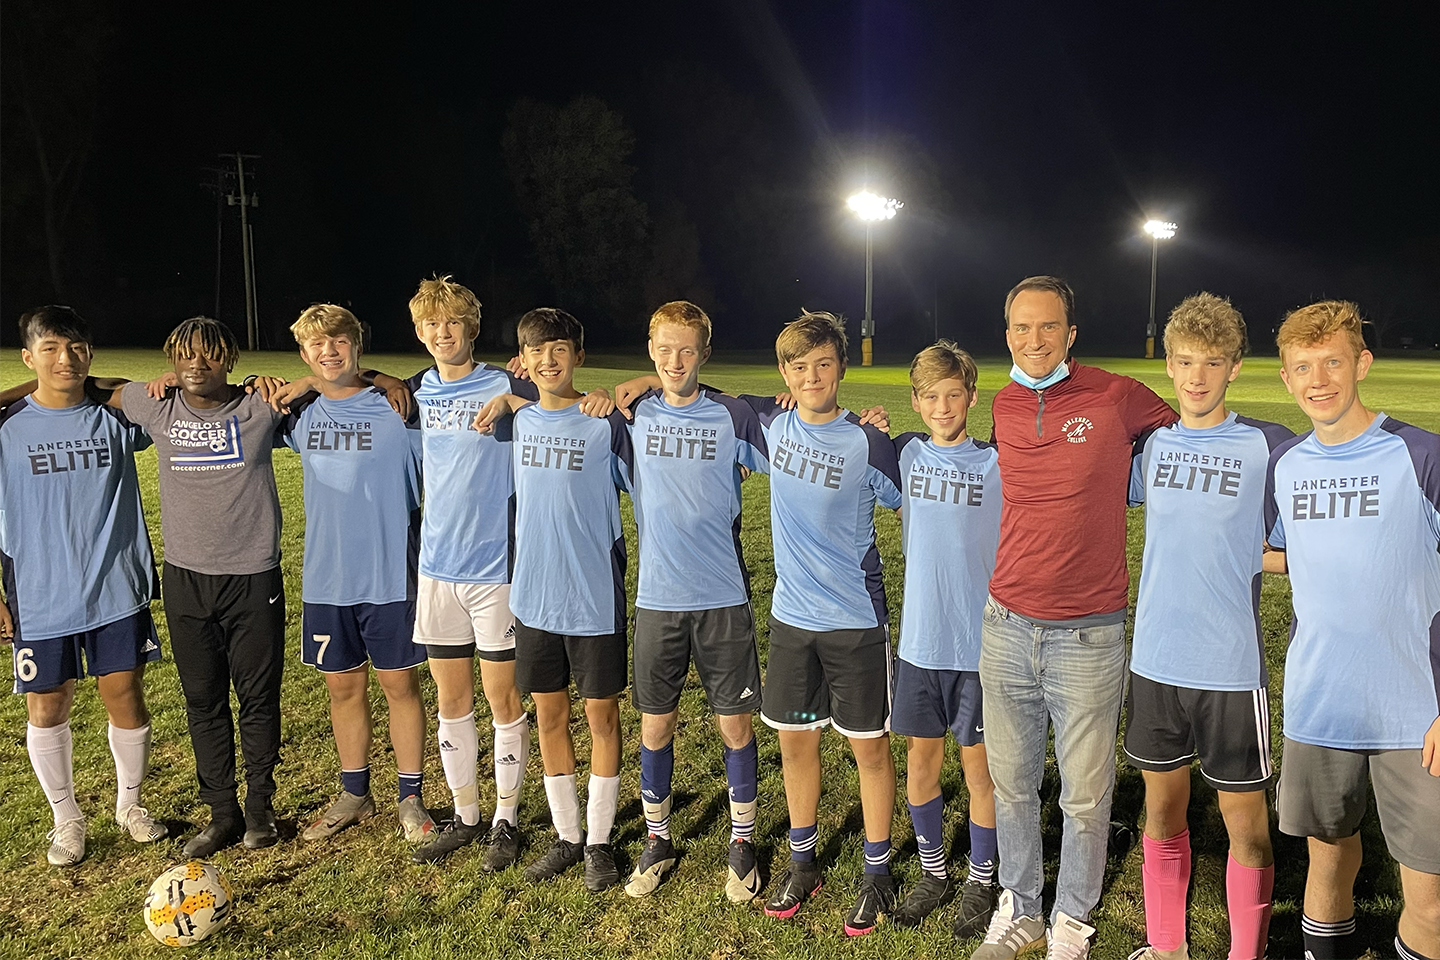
721, 642
928, 702
836, 677
1167, 727
546, 662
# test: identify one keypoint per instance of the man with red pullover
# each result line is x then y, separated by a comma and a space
1053, 632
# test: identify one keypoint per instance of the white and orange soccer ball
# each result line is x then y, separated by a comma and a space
187, 903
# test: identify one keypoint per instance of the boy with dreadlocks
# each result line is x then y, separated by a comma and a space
224, 593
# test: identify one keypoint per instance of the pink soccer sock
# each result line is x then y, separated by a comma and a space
1247, 893
1166, 876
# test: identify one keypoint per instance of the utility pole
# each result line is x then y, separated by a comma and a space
246, 199
218, 188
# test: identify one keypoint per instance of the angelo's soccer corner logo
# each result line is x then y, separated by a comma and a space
1076, 428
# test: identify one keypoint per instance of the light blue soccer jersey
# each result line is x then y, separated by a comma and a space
825, 480
73, 542
362, 499
467, 533
1197, 620
570, 549
950, 526
1360, 523
687, 499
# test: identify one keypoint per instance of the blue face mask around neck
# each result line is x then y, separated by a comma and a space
1049, 380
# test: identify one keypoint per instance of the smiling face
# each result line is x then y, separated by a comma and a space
552, 365
1038, 332
678, 356
60, 364
447, 338
1324, 378
944, 406
333, 358
1201, 374
813, 379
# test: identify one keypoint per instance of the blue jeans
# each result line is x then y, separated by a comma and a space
1034, 675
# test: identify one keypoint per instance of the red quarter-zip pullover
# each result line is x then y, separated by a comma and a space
1065, 456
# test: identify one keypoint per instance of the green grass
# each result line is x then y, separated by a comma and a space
360, 897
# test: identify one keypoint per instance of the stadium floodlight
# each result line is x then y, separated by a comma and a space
1158, 230
870, 207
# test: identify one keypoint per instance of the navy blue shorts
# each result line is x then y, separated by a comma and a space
929, 702
335, 639
42, 665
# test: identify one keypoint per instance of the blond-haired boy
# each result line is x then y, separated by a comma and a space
1199, 689
951, 526
361, 465
1355, 506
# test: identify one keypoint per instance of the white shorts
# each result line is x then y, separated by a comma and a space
451, 614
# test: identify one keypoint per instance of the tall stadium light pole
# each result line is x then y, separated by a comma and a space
1158, 230
870, 208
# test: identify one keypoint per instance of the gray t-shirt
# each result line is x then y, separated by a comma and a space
219, 511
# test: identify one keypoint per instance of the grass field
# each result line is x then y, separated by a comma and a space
359, 896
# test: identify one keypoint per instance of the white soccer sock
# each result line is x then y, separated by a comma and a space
131, 750
603, 797
564, 806
459, 746
512, 752
50, 751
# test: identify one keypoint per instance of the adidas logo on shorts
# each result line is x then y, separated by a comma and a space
746, 692
510, 632
149, 646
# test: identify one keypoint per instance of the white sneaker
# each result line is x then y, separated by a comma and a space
67, 846
142, 827
1069, 939
1008, 936
1150, 953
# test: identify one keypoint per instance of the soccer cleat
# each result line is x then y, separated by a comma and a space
561, 856
445, 841
877, 897
927, 896
742, 880
142, 827
261, 831
216, 836
1069, 939
1150, 953
1009, 935
800, 883
415, 822
655, 862
67, 843
977, 906
600, 870
502, 847
347, 810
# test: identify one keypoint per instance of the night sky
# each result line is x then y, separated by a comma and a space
1295, 145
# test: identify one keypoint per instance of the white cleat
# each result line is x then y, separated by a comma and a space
67, 846
142, 827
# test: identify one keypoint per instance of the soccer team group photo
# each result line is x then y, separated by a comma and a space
467, 591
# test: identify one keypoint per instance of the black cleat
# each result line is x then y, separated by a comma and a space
600, 870
561, 856
800, 883
742, 874
977, 903
449, 838
877, 897
502, 847
927, 896
217, 835
260, 830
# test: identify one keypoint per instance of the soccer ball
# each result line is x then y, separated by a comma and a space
187, 903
